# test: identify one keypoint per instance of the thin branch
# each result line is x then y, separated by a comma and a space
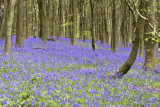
151, 26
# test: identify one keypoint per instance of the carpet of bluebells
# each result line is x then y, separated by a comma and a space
59, 74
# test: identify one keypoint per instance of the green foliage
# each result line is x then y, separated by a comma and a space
155, 4
148, 9
146, 39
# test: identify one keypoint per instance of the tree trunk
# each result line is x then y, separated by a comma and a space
158, 24
115, 38
129, 29
3, 32
35, 17
93, 26
43, 20
84, 22
8, 41
27, 27
150, 51
142, 36
81, 19
1, 12
102, 25
19, 30
73, 39
132, 57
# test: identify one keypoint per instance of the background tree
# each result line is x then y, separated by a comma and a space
10, 8
1, 12
73, 39
61, 19
4, 22
150, 45
92, 4
127, 65
115, 38
43, 20
19, 28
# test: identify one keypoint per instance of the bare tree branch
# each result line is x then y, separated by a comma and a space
151, 26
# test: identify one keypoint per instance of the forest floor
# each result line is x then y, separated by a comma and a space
62, 75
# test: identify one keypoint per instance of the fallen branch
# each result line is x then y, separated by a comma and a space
51, 39
40, 48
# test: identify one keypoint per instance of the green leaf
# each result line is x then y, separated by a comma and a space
153, 39
146, 39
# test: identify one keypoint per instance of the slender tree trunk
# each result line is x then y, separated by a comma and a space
19, 30
27, 28
142, 36
73, 39
129, 29
49, 11
43, 20
35, 17
8, 41
93, 26
158, 24
102, 25
115, 38
61, 18
128, 64
1, 12
84, 23
3, 32
81, 18
124, 23
106, 27
150, 51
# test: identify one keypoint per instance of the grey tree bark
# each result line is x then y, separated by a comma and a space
8, 41
43, 20
150, 44
92, 4
128, 64
19, 28
1, 12
73, 39
115, 38
4, 23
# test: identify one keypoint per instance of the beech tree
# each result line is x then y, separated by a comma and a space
92, 4
132, 57
43, 20
73, 39
1, 12
150, 48
9, 21
19, 28
4, 22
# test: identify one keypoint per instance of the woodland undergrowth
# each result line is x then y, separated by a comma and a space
62, 75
